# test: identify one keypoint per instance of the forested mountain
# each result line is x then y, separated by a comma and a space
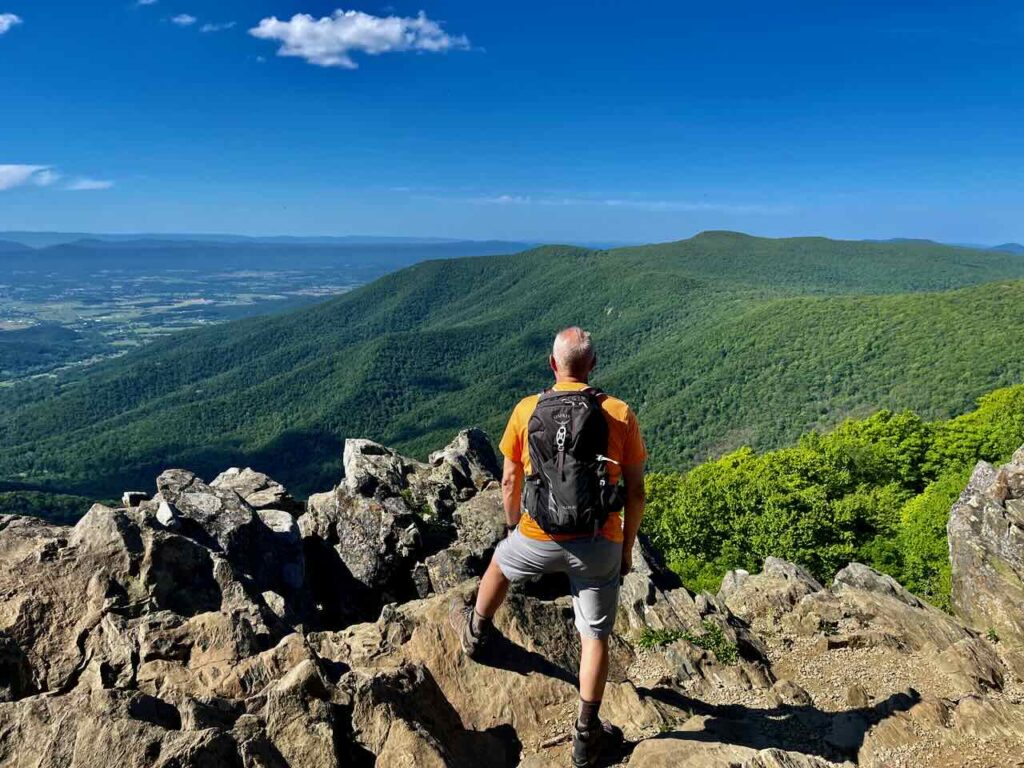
719, 341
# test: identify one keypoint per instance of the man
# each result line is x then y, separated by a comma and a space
596, 558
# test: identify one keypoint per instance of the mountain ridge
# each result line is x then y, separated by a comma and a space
714, 345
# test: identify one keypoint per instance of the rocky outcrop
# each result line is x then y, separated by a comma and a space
769, 594
986, 544
479, 526
452, 475
259, 491
221, 624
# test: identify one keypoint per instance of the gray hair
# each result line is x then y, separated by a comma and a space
573, 351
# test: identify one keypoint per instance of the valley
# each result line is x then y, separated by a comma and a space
69, 304
50, 323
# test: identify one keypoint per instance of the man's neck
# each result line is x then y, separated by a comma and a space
570, 380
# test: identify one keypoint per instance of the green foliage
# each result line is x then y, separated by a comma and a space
53, 507
992, 635
656, 638
921, 558
712, 639
876, 490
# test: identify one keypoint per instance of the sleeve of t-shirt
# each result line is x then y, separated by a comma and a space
634, 451
511, 444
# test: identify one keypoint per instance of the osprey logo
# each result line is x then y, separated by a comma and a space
562, 419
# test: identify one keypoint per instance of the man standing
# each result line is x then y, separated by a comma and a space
565, 451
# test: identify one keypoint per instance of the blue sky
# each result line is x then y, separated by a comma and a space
575, 121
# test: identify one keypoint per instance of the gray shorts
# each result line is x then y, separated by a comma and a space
593, 566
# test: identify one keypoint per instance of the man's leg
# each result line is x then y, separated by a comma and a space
593, 668
515, 558
594, 574
493, 588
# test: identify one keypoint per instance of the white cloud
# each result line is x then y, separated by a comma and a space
86, 185
46, 177
8, 20
146, 2
12, 176
184, 20
330, 41
21, 175
681, 206
209, 27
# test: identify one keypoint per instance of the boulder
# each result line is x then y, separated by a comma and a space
374, 471
479, 525
258, 490
768, 595
986, 544
652, 597
468, 462
858, 576
868, 609
362, 549
106, 727
301, 720
216, 518
464, 467
133, 498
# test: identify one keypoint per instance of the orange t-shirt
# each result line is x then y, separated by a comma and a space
625, 445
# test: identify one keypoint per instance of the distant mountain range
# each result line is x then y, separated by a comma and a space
92, 253
45, 239
718, 341
1015, 248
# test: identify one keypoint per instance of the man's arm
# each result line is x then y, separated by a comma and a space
633, 476
511, 488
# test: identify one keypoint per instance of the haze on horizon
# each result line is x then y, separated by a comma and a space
528, 121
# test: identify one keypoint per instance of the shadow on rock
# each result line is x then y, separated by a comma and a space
502, 653
794, 728
342, 599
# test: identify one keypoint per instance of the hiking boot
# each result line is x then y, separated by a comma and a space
460, 616
589, 745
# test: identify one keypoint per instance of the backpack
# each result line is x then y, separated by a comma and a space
567, 490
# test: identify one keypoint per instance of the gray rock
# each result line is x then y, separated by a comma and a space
300, 719
373, 470
215, 517
258, 490
986, 543
767, 595
468, 461
862, 577
479, 525
857, 697
652, 597
363, 550
789, 693
732, 581
166, 516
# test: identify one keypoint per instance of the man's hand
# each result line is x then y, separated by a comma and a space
627, 561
